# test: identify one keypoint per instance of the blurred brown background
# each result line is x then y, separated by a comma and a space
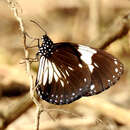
80, 21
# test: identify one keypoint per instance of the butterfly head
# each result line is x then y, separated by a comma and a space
46, 40
46, 47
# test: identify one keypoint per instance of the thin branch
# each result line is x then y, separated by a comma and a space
119, 28
120, 114
63, 111
13, 7
37, 119
70, 123
12, 114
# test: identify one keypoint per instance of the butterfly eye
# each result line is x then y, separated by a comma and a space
69, 71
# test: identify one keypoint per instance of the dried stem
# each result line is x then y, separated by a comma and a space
118, 29
68, 123
13, 7
12, 114
37, 119
120, 114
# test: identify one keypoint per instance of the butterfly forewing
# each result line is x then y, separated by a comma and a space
68, 78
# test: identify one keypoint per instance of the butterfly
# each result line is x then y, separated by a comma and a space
69, 71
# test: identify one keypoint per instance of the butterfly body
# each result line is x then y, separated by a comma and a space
69, 71
46, 49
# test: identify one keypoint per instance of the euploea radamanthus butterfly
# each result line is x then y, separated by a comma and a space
69, 71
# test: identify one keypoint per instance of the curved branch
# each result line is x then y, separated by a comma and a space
119, 28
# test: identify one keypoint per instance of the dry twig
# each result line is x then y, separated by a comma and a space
13, 7
74, 122
12, 114
121, 115
119, 29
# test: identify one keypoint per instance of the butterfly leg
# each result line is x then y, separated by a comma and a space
35, 59
31, 60
34, 39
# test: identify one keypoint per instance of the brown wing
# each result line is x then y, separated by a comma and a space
63, 77
107, 71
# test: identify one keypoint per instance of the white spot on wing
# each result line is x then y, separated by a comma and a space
67, 72
40, 70
96, 65
50, 72
92, 86
115, 62
52, 95
113, 76
80, 65
61, 95
61, 100
62, 83
91, 67
39, 93
45, 76
85, 79
88, 49
80, 89
64, 75
73, 94
50, 100
108, 80
56, 70
86, 55
67, 82
116, 70
70, 68
55, 76
41, 96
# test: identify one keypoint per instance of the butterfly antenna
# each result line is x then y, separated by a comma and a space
38, 26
